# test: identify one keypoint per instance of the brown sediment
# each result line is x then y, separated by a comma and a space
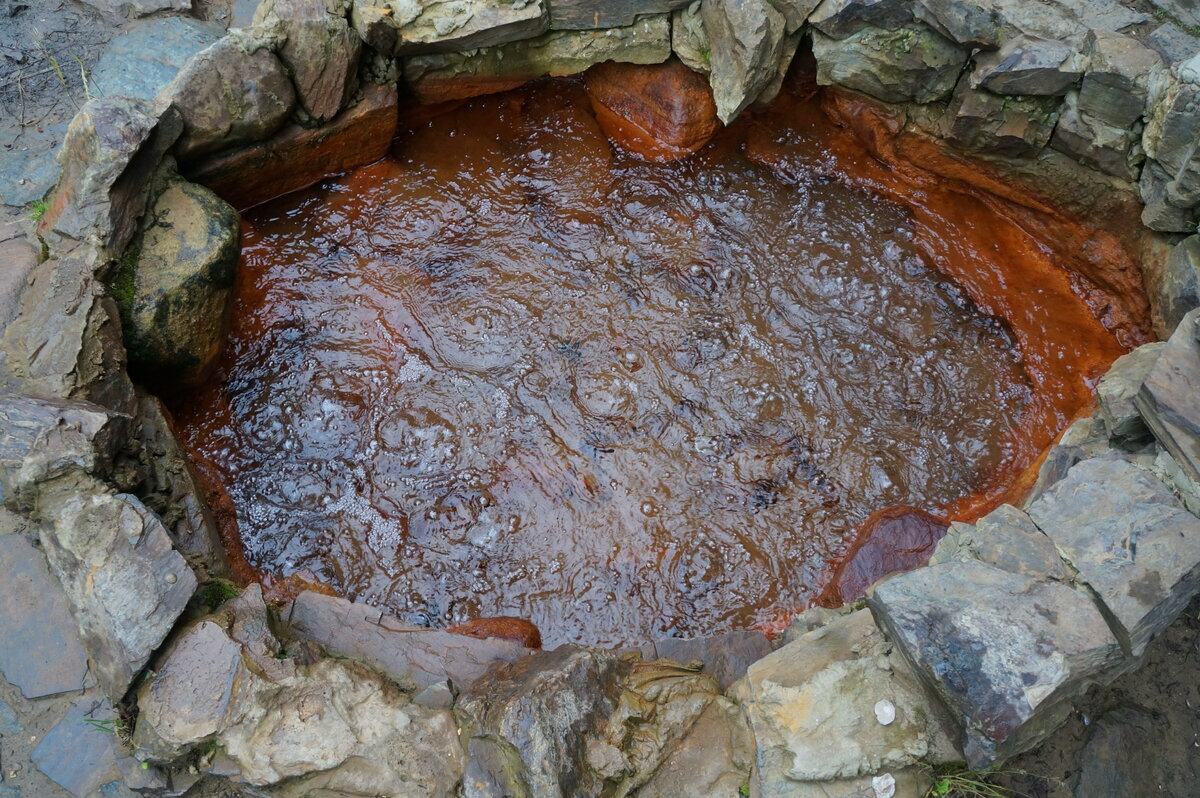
506, 251
518, 630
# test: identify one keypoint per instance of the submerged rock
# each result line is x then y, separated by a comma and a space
174, 287
516, 630
889, 540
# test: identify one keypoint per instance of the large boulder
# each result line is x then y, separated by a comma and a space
839, 705
1130, 539
745, 45
320, 51
174, 286
452, 76
529, 721
715, 758
1006, 652
110, 152
230, 93
139, 62
1167, 399
415, 28
911, 63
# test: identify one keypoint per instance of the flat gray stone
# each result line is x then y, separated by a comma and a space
842, 18
41, 654
1029, 65
1180, 290
725, 656
1006, 653
10, 724
1167, 399
409, 654
1007, 539
1118, 388
1173, 43
1130, 539
145, 58
28, 166
78, 755
1116, 85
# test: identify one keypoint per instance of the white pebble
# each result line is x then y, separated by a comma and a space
885, 712
884, 785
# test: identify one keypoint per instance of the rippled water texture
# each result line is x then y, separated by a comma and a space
511, 371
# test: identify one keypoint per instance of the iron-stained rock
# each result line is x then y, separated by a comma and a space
232, 92
1008, 539
541, 708
1005, 652
409, 654
1130, 539
1118, 388
907, 64
174, 288
1167, 400
41, 653
811, 706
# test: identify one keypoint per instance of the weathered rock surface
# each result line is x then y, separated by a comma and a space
745, 46
1094, 143
414, 28
20, 257
714, 758
41, 654
1085, 438
591, 14
1130, 539
537, 710
139, 8
1118, 759
1169, 138
812, 706
1007, 539
660, 111
725, 656
888, 540
515, 630
1118, 388
83, 759
454, 76
320, 51
1029, 65
411, 655
688, 39
1116, 85
1159, 214
1167, 399
298, 157
139, 62
173, 289
907, 64
233, 92
1005, 652
1013, 126
111, 149
1179, 291
115, 562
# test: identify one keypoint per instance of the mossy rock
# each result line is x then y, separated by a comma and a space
173, 286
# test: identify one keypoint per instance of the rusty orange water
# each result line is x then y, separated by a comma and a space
513, 371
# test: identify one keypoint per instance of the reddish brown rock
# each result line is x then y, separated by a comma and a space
889, 540
658, 111
284, 589
518, 630
298, 157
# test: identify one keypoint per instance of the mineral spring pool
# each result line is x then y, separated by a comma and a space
515, 370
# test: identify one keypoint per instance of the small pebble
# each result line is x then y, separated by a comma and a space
884, 785
885, 712
172, 579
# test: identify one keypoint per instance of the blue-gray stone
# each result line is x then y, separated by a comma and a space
41, 654
27, 165
139, 63
10, 724
77, 754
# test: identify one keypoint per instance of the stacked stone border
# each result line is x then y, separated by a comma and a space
115, 611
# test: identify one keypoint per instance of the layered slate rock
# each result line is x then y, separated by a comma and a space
454, 76
1013, 126
174, 288
421, 27
1116, 85
1130, 539
411, 655
1119, 387
233, 92
297, 156
1029, 65
911, 63
114, 559
1179, 292
1005, 652
1107, 148
320, 51
111, 149
42, 654
1007, 539
591, 14
1167, 399
529, 719
138, 63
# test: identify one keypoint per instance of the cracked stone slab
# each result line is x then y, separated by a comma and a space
41, 652
1131, 541
412, 655
1008, 539
1118, 389
1167, 399
1005, 652
80, 753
